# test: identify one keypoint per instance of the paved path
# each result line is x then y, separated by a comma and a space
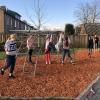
92, 92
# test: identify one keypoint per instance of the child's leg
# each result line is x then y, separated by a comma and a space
63, 55
30, 54
69, 54
12, 65
89, 52
8, 63
46, 58
94, 47
49, 59
97, 46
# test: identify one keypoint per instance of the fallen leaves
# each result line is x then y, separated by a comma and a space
52, 80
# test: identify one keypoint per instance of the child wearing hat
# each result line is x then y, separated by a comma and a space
11, 51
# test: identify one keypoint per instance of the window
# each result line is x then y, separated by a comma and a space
25, 27
15, 23
11, 22
7, 20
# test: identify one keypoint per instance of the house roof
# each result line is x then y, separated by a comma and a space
12, 13
90, 28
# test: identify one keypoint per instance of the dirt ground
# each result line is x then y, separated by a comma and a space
51, 80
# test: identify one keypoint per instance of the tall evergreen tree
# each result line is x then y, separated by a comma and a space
69, 29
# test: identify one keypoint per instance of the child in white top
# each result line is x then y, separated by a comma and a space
30, 46
59, 43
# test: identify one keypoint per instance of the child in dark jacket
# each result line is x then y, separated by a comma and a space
90, 45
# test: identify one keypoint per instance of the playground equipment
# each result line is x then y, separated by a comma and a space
39, 45
23, 51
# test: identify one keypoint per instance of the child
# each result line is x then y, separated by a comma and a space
96, 42
59, 43
48, 49
90, 45
66, 48
30, 46
11, 51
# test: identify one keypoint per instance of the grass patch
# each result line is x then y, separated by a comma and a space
2, 55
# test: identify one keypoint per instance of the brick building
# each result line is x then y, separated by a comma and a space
11, 20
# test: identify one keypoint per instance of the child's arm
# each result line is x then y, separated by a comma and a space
69, 41
28, 44
6, 47
51, 39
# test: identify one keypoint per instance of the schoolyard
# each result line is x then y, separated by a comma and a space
54, 80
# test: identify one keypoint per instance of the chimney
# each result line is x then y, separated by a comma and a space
3, 8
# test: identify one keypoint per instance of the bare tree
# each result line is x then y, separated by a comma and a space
38, 18
95, 11
88, 12
82, 13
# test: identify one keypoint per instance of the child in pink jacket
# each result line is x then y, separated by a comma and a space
47, 49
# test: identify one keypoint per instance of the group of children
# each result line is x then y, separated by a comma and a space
93, 44
64, 42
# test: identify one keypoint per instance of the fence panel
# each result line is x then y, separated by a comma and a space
78, 41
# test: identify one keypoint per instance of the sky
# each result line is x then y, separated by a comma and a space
57, 13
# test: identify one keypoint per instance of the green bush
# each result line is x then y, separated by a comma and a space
2, 55
2, 46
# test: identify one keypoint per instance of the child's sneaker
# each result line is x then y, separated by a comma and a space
11, 76
88, 54
72, 61
62, 62
2, 71
49, 62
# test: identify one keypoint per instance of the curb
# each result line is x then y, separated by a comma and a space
35, 98
83, 94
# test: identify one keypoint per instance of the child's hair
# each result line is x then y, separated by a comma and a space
89, 36
13, 36
9, 38
66, 39
48, 36
30, 36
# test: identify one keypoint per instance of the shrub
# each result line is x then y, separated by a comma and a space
2, 46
